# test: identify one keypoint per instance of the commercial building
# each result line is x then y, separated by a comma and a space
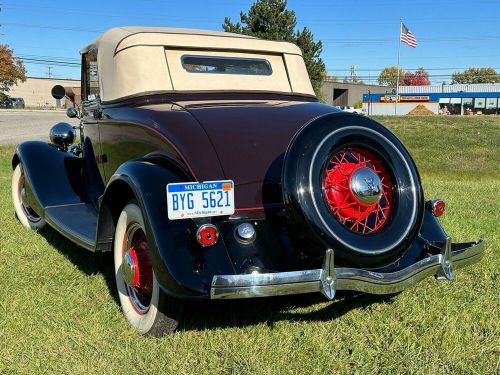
348, 94
36, 92
479, 99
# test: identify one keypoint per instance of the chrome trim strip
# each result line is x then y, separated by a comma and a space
330, 279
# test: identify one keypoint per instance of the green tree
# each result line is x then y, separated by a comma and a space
269, 19
476, 75
12, 71
389, 76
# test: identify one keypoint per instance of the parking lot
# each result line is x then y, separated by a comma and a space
22, 125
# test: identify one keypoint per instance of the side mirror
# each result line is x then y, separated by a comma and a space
58, 92
62, 135
72, 112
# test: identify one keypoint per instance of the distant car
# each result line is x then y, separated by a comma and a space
14, 103
350, 109
210, 170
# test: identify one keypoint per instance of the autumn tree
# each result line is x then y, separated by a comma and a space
476, 75
418, 78
270, 19
389, 76
12, 71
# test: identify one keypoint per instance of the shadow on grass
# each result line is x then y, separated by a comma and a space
241, 313
229, 313
86, 261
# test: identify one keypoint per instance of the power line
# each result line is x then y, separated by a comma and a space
325, 58
74, 63
60, 58
402, 68
52, 27
438, 75
421, 39
324, 41
53, 62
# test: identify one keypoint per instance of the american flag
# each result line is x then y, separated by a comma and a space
407, 37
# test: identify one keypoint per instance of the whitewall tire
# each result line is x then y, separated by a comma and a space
26, 215
144, 304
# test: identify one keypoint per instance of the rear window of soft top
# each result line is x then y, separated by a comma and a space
226, 65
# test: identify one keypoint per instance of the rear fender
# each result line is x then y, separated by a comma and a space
52, 177
183, 268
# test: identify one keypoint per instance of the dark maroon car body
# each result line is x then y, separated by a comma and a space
242, 139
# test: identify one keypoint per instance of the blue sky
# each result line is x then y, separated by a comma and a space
452, 34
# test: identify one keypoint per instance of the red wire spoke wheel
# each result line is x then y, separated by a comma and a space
350, 185
358, 189
137, 269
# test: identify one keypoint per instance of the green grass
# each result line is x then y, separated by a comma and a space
58, 310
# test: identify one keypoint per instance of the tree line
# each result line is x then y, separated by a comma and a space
389, 76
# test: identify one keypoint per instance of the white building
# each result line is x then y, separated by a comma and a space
36, 92
453, 99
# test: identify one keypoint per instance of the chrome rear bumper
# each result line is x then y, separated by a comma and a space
329, 279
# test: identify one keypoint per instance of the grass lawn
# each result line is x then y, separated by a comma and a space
58, 309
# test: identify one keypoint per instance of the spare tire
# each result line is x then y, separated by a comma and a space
349, 184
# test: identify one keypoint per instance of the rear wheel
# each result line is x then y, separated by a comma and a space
24, 212
147, 308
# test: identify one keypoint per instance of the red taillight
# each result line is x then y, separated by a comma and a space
207, 235
438, 206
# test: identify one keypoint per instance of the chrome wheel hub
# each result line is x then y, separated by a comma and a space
130, 268
366, 186
137, 269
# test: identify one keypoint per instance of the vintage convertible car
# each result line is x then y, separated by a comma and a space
206, 164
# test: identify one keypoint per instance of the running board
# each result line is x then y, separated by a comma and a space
77, 222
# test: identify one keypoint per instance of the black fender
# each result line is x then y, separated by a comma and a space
183, 268
52, 177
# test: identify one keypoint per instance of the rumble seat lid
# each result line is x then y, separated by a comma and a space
250, 139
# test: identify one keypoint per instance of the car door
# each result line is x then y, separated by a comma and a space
91, 112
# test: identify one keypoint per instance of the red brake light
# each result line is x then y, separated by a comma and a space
207, 235
438, 207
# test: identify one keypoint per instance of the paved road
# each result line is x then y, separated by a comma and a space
18, 126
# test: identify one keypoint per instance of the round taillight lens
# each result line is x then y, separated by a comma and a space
438, 207
207, 235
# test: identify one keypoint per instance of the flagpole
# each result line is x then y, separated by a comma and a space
399, 55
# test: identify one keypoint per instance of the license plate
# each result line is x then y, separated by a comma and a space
200, 199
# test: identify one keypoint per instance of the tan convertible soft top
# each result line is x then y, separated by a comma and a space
135, 60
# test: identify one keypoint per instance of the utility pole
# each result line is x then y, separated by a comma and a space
354, 75
49, 71
0, 23
399, 56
